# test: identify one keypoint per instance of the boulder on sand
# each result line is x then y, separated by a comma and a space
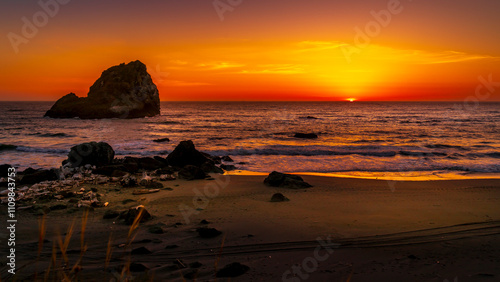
278, 179
278, 197
37, 176
93, 153
131, 214
191, 172
123, 91
234, 269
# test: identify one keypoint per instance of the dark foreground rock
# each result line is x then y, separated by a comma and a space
31, 177
123, 91
278, 197
306, 135
131, 214
4, 169
191, 172
93, 153
161, 140
278, 179
5, 147
227, 167
206, 232
186, 154
232, 270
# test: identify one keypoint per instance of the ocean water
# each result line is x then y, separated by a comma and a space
360, 138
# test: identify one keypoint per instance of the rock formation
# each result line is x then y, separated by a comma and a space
278, 179
123, 91
92, 153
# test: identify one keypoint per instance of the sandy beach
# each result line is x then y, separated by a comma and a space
342, 229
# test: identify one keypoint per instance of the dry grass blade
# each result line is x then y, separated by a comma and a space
219, 256
84, 225
125, 270
67, 238
52, 262
41, 233
109, 250
134, 226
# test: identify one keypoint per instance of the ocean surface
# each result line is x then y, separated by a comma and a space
361, 138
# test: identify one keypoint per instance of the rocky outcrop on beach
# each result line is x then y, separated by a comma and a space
123, 91
31, 176
278, 179
186, 154
93, 164
92, 153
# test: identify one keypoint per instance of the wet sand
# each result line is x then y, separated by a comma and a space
341, 229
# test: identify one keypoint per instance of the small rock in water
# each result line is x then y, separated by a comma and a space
161, 140
306, 135
227, 159
227, 167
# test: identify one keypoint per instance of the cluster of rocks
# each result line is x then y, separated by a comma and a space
185, 161
95, 164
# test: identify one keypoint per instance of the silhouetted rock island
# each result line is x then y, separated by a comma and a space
123, 91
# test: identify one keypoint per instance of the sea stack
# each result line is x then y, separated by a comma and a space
123, 91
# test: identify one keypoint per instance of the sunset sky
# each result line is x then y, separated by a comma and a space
255, 49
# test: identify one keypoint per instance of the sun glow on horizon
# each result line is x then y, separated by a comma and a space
351, 99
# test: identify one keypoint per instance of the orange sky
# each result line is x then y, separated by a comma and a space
257, 50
